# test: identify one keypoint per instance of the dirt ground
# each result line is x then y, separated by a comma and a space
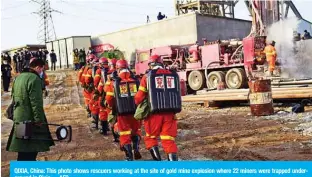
203, 134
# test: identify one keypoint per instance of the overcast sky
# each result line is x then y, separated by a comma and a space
93, 17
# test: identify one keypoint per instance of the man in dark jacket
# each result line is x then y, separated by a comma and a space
306, 35
6, 75
19, 62
8, 58
44, 55
27, 95
53, 60
15, 61
82, 58
27, 59
160, 16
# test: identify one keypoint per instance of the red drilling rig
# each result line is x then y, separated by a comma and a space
225, 61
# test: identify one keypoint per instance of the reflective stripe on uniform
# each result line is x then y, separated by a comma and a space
148, 135
97, 75
270, 53
110, 93
164, 137
143, 89
88, 75
125, 133
107, 83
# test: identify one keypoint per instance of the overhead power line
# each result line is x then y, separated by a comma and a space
18, 16
135, 5
15, 6
97, 19
103, 9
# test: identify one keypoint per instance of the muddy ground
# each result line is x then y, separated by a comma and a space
203, 134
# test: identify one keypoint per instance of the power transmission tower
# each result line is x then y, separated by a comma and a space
46, 28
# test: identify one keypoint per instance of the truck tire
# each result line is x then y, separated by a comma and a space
235, 78
214, 78
196, 80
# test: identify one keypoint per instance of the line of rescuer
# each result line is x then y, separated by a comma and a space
103, 87
85, 79
159, 93
120, 98
100, 78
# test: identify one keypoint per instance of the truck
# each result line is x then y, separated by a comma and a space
230, 62
210, 64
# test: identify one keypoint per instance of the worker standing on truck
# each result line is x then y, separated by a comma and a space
161, 122
306, 35
101, 75
270, 53
119, 94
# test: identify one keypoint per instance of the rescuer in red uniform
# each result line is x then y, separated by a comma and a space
88, 83
100, 77
119, 96
103, 88
162, 122
81, 78
94, 105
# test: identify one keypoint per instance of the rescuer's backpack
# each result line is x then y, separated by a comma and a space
164, 92
124, 95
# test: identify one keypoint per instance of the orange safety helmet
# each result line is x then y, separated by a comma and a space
122, 64
90, 58
112, 62
154, 60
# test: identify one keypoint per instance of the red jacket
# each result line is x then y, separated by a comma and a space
94, 106
142, 92
81, 75
97, 77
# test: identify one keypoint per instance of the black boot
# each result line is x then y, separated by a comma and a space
96, 122
172, 157
155, 153
136, 147
128, 151
115, 135
88, 111
104, 127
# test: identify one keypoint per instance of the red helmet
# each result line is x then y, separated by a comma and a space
121, 64
90, 58
155, 59
103, 61
112, 62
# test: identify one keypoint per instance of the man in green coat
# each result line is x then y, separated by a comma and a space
27, 95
